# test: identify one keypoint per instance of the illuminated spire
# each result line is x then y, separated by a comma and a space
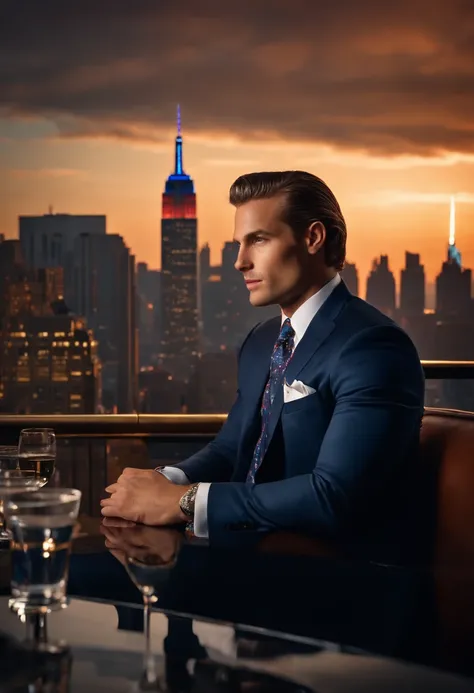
454, 256
178, 168
452, 222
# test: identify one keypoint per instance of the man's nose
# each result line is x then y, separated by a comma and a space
242, 262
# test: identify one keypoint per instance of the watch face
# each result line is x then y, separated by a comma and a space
187, 501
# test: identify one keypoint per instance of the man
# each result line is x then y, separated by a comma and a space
324, 431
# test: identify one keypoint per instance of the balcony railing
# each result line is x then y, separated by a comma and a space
174, 426
448, 370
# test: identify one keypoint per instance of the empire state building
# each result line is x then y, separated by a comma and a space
180, 342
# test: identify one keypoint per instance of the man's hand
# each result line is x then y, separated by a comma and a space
146, 497
124, 538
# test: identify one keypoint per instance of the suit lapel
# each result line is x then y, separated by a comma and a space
258, 373
318, 331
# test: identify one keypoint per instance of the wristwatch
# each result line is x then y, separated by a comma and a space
188, 500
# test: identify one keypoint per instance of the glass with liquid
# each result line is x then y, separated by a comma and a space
13, 480
41, 526
37, 452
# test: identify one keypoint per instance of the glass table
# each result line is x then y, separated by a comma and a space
245, 620
98, 646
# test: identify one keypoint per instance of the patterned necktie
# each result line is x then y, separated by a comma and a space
281, 355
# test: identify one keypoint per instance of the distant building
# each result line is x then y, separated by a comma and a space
148, 314
180, 334
204, 263
412, 286
49, 366
351, 278
213, 385
48, 240
104, 292
381, 286
161, 393
454, 283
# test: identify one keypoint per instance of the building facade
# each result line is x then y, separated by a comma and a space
180, 327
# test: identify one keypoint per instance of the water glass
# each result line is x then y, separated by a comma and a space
37, 452
41, 525
13, 480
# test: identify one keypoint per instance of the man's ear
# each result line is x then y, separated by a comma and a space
315, 237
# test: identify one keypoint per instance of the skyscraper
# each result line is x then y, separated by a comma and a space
148, 313
351, 278
412, 286
105, 294
381, 286
180, 342
48, 240
204, 263
453, 284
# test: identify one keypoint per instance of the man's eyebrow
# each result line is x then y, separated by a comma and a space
252, 234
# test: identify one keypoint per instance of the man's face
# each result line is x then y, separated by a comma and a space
275, 265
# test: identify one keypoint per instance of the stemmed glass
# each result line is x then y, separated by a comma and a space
148, 554
37, 452
143, 572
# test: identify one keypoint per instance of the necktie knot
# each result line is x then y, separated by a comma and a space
287, 333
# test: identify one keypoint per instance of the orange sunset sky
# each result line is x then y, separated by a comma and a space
378, 101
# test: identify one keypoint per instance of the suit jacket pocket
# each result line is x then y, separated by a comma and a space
309, 402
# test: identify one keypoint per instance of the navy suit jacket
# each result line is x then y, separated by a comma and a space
339, 461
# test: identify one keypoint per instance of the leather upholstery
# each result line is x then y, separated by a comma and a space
447, 457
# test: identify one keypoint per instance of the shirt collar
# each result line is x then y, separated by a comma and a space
306, 312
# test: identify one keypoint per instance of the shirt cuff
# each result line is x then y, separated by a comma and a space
175, 475
201, 528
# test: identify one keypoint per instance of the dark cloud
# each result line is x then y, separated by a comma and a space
390, 79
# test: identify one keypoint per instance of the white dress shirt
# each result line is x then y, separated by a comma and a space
300, 322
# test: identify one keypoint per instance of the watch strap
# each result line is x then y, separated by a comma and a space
188, 499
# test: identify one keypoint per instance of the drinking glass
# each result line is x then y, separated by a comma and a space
146, 572
37, 452
42, 525
8, 460
12, 481
149, 555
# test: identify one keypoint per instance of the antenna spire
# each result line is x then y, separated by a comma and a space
178, 158
452, 222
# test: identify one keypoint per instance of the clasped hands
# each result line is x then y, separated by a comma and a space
146, 497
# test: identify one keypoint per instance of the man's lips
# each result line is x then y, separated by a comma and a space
252, 281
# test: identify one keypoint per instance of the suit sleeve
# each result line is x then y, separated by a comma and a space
215, 462
378, 388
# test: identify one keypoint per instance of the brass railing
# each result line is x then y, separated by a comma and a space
119, 425
173, 426
448, 370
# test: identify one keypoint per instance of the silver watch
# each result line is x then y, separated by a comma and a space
188, 500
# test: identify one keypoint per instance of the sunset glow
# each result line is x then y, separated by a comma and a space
367, 102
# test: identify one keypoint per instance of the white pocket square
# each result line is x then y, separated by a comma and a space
296, 390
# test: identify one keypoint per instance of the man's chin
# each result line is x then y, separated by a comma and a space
259, 301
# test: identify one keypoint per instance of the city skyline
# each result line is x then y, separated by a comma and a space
384, 122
